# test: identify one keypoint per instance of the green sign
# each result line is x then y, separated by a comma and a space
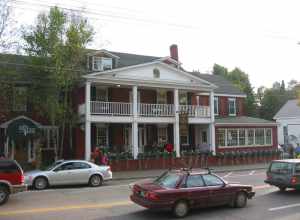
21, 127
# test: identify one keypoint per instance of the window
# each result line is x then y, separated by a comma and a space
66, 166
204, 137
8, 167
156, 73
216, 105
211, 180
102, 63
259, 136
161, 97
281, 167
194, 181
232, 137
250, 137
232, 106
101, 94
20, 99
297, 168
81, 165
183, 98
162, 135
268, 136
184, 135
242, 137
221, 135
168, 180
101, 136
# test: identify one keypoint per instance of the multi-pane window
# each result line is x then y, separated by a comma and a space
232, 137
235, 137
162, 135
250, 133
232, 106
102, 63
221, 135
183, 100
216, 105
162, 97
101, 94
101, 136
242, 137
20, 99
268, 136
259, 136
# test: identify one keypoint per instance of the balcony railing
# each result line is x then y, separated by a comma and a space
155, 110
145, 110
195, 110
111, 108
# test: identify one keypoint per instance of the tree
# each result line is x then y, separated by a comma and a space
8, 30
57, 44
241, 80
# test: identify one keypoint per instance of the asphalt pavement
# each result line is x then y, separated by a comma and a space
111, 201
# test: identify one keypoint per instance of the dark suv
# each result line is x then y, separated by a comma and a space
11, 179
284, 174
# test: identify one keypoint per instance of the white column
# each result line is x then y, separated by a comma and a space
87, 121
212, 123
135, 124
176, 124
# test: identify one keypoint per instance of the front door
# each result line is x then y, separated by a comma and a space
142, 139
20, 146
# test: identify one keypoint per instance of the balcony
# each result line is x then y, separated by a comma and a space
145, 110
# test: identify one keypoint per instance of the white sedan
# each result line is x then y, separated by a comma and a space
68, 172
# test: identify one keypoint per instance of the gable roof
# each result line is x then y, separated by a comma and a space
224, 85
290, 109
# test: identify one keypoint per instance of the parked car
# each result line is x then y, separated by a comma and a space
68, 172
181, 190
11, 179
284, 174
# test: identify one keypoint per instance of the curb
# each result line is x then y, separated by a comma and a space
217, 171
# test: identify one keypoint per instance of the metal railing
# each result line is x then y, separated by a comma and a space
195, 110
156, 110
111, 108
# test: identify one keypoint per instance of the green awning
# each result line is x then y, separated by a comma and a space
22, 127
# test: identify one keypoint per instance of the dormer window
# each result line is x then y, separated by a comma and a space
102, 63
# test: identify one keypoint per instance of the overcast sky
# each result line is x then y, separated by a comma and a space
259, 36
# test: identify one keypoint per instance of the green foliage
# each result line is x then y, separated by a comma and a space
241, 80
57, 44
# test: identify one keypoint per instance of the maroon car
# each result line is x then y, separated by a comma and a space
181, 190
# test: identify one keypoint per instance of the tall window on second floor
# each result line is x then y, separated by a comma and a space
20, 99
161, 97
216, 105
183, 100
102, 63
232, 106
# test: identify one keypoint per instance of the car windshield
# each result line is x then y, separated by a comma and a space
168, 180
50, 167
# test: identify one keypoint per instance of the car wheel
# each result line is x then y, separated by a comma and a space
282, 188
241, 200
40, 183
180, 209
4, 194
96, 180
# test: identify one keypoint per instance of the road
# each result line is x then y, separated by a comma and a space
111, 202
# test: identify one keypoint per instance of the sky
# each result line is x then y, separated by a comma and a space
258, 36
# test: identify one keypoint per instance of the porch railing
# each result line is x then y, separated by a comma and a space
111, 108
195, 110
153, 110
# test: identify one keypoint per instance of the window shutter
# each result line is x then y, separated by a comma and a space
93, 93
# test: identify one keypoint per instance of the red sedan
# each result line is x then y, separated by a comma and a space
181, 190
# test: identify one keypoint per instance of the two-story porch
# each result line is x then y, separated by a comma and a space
141, 115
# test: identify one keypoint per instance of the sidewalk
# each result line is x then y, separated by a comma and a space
141, 174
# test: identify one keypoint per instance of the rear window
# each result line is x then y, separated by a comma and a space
281, 167
9, 166
297, 168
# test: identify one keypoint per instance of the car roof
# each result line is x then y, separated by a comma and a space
288, 161
192, 171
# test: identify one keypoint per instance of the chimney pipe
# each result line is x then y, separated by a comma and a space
174, 52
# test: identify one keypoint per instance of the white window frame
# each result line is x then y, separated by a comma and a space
159, 135
97, 93
216, 106
181, 94
246, 138
106, 131
165, 99
234, 101
101, 62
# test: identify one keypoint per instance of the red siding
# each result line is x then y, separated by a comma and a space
119, 94
148, 96
117, 135
203, 100
79, 143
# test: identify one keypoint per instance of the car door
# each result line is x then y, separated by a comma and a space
62, 174
219, 194
197, 192
81, 172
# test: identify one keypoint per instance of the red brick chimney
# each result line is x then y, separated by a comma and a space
174, 52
